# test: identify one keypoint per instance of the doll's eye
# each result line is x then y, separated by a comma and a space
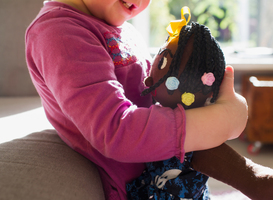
162, 63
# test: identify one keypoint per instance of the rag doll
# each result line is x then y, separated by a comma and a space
188, 71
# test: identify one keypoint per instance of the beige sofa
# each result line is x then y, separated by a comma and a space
41, 166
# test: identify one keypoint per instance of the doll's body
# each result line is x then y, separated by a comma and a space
187, 71
171, 179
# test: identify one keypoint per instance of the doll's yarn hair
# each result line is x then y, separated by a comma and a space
206, 57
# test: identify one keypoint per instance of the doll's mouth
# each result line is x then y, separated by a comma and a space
128, 5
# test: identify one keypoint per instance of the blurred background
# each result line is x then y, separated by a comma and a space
237, 23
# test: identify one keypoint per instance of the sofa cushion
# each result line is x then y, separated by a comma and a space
41, 166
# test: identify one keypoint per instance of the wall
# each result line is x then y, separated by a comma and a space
266, 23
15, 16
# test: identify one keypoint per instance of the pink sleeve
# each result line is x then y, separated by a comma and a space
78, 72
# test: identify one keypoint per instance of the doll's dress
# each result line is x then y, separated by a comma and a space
158, 182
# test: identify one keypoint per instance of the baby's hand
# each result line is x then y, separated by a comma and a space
235, 104
210, 126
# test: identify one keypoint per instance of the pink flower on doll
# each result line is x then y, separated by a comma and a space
208, 79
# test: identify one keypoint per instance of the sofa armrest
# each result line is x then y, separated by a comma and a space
41, 166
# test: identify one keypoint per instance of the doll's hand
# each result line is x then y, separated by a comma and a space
235, 104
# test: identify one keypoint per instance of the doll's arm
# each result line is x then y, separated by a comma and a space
226, 165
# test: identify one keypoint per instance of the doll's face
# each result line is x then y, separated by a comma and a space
160, 67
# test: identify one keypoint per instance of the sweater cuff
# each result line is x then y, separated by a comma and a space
180, 118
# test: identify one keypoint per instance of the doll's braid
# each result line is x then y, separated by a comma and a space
189, 77
219, 71
186, 34
207, 56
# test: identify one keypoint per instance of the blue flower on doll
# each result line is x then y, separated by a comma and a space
172, 83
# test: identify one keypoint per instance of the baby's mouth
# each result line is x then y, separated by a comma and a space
130, 6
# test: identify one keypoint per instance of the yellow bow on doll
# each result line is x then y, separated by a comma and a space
175, 27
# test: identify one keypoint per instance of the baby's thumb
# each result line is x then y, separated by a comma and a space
227, 86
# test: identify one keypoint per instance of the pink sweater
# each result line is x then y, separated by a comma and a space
90, 76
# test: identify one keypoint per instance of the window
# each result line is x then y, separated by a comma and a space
234, 23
